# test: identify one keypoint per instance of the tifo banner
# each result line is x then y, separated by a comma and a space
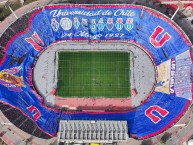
125, 23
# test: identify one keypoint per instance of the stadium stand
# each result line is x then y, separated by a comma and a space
4, 107
105, 131
22, 122
20, 24
183, 76
3, 40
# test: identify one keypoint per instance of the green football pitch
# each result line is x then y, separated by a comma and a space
93, 74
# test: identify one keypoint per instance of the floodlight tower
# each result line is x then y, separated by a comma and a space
7, 5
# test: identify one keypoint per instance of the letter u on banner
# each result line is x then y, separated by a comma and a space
35, 41
155, 119
153, 38
35, 112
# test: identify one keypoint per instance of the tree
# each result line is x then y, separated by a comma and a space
165, 137
146, 142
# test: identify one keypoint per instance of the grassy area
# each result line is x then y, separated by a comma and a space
28, 1
5, 12
2, 142
93, 74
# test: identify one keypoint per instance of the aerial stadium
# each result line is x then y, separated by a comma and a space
97, 72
